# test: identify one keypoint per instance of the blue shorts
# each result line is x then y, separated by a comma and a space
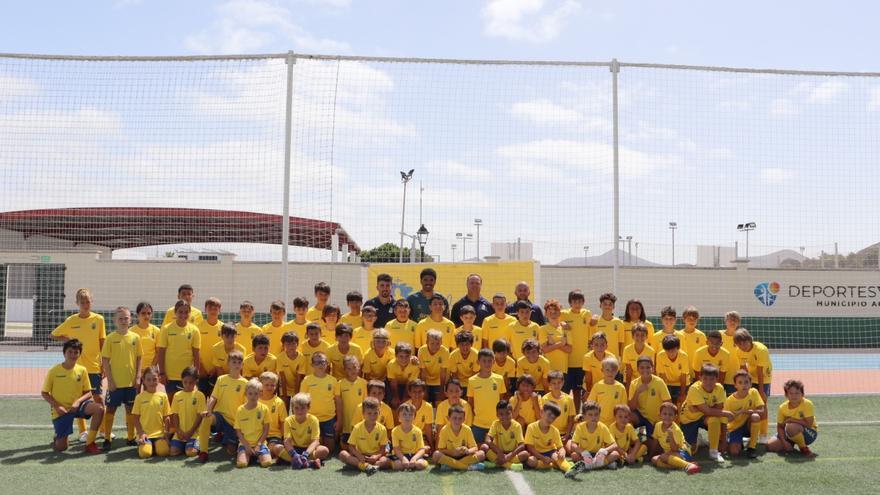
810, 435
479, 434
344, 437
191, 444
684, 454
766, 389
64, 424
549, 453
692, 431
736, 436
121, 396
574, 379
642, 421
230, 437
674, 392
173, 386
729, 388
393, 457
434, 392
261, 450
95, 380
274, 440
328, 428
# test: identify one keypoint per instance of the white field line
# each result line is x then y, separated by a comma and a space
519, 483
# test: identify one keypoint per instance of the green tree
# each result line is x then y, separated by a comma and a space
390, 253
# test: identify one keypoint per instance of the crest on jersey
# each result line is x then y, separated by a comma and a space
329, 387
653, 392
94, 326
413, 437
259, 415
238, 388
194, 401
494, 386
359, 392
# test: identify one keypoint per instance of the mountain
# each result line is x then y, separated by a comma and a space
607, 259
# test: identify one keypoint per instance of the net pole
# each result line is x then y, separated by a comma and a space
615, 69
285, 216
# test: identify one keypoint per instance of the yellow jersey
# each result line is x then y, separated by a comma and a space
691, 341
308, 350
409, 442
277, 412
302, 433
208, 336
401, 331
592, 364
506, 370
314, 313
424, 418
375, 367
727, 342
558, 358
608, 396
246, 336
352, 394
614, 334
229, 394
757, 357
220, 356
369, 441
649, 401
463, 367
299, 329
662, 437
386, 418
627, 332
432, 365
402, 374
591, 441
90, 331
803, 411
750, 402
443, 412
354, 321
179, 343
363, 337
123, 352
538, 369
495, 328
66, 385
476, 332
337, 357
324, 391
566, 406
625, 438
444, 326
288, 369
275, 333
152, 407
148, 336
697, 395
579, 333
631, 356
657, 341
507, 439
486, 392
525, 409
721, 361
251, 422
188, 407
195, 315
450, 440
519, 334
543, 441
253, 369
673, 369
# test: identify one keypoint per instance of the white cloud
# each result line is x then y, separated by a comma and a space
246, 26
536, 21
825, 92
17, 87
543, 111
783, 107
774, 175
457, 168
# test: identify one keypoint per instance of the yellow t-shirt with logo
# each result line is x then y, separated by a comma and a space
123, 352
299, 329
229, 394
337, 357
592, 364
195, 315
757, 357
354, 321
443, 412
66, 385
178, 343
696, 396
463, 367
691, 341
508, 439
275, 333
657, 341
152, 407
579, 333
566, 406
477, 334
386, 418
661, 435
246, 336
276, 415
486, 392
650, 400
363, 337
751, 401
148, 336
401, 331
672, 370
608, 396
495, 328
375, 367
208, 336
538, 369
402, 374
591, 441
614, 334
324, 391
304, 433
558, 358
289, 368
543, 441
252, 369
90, 331
432, 365
625, 438
721, 361
444, 326
308, 350
506, 370
188, 407
220, 356
450, 440
631, 357
409, 442
314, 314
352, 394
424, 418
804, 410
526, 408
369, 442
251, 422
519, 334
627, 331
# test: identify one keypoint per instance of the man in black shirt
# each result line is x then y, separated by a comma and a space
523, 292
383, 303
473, 298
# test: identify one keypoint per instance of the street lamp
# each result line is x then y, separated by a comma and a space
586, 248
629, 242
404, 178
453, 252
637, 254
672, 227
746, 227
478, 222
422, 235
464, 238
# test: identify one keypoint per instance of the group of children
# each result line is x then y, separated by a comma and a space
598, 390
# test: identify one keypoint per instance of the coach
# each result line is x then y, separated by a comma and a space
473, 298
383, 303
522, 292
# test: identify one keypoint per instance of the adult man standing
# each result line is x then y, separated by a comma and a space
420, 302
473, 298
522, 292
384, 302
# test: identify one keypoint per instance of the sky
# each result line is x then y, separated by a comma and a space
525, 148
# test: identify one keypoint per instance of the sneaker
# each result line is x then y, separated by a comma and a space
579, 467
316, 464
131, 443
203, 457
83, 436
112, 436
693, 469
751, 453
371, 470
218, 437
516, 466
763, 439
477, 466
92, 448
490, 465
106, 445
716, 456
807, 452
612, 465
444, 468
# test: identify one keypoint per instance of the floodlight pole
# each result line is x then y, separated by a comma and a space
615, 70
285, 216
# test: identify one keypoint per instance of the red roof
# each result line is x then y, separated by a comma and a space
121, 228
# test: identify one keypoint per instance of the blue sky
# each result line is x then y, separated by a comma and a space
525, 148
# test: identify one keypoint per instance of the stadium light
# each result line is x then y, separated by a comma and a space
746, 227
464, 238
478, 222
672, 227
453, 252
405, 177
586, 249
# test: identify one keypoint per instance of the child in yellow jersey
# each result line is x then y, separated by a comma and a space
302, 436
436, 321
376, 390
246, 329
178, 347
299, 322
354, 300
533, 363
669, 437
713, 353
290, 367
148, 333
610, 325
463, 361
184, 293
352, 391
668, 317
704, 408
69, 393
322, 296
468, 317
732, 320
635, 350
525, 402
522, 329
755, 358
227, 396
497, 325
456, 447
674, 367
646, 394
314, 343
259, 361
326, 402
401, 371
424, 412
434, 365
186, 415
592, 362
277, 413
504, 365
277, 327
634, 314
342, 348
375, 366
252, 427
591, 446
363, 336
484, 390
368, 444
543, 442
746, 405
553, 338
577, 322
565, 421
401, 328
629, 446
609, 392
209, 335
121, 360
407, 442
329, 321
504, 445
220, 352
691, 337
151, 418
795, 422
